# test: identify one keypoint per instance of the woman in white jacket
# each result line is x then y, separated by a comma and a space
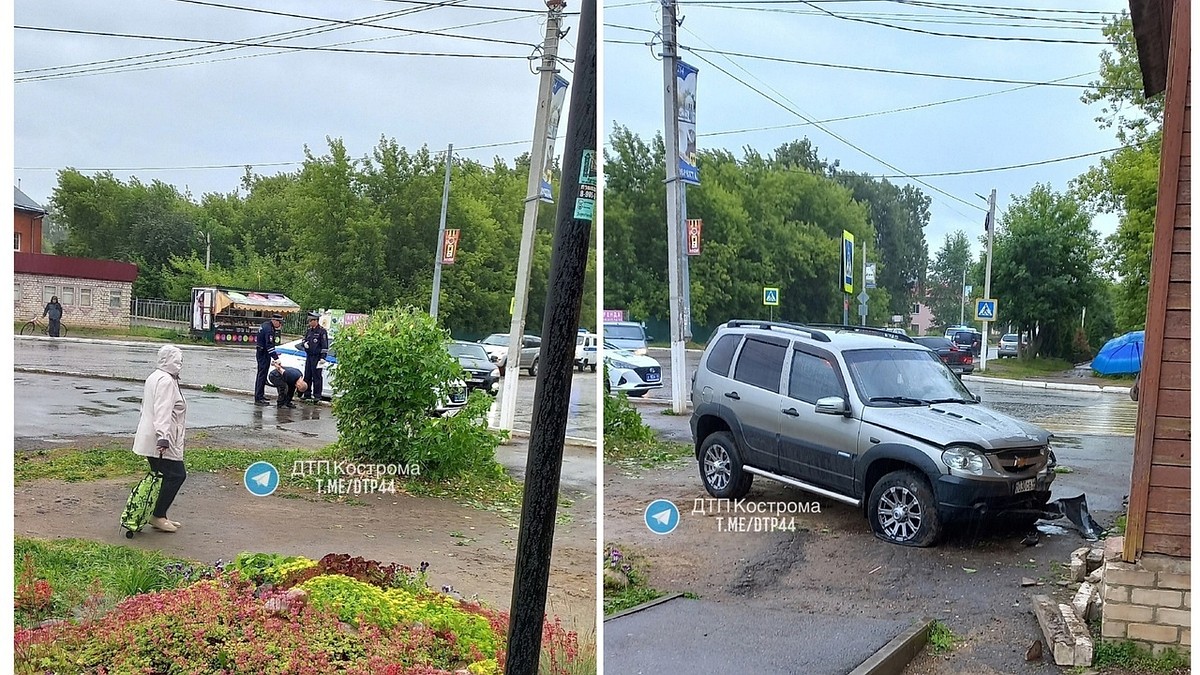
160, 431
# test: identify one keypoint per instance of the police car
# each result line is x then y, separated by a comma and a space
291, 355
586, 352
629, 371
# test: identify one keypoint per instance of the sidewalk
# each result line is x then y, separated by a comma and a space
678, 636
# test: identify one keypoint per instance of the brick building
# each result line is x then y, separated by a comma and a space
27, 232
93, 293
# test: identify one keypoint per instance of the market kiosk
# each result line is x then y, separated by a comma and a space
232, 316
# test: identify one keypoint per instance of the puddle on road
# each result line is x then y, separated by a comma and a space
96, 412
1073, 442
130, 399
113, 390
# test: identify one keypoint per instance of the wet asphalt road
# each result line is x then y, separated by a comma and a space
231, 369
54, 409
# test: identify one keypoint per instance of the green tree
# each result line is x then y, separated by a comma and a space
1044, 266
1127, 182
944, 286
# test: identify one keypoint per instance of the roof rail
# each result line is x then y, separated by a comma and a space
767, 325
866, 329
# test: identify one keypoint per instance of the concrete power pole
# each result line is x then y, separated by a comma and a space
437, 264
537, 156
676, 293
551, 399
987, 277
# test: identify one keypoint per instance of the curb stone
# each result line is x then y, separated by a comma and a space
894, 657
643, 606
1040, 384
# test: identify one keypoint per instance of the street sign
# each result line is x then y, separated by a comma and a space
863, 297
613, 315
869, 276
862, 309
770, 296
449, 247
985, 310
694, 226
847, 262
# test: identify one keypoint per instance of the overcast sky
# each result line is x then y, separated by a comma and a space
256, 106
1018, 127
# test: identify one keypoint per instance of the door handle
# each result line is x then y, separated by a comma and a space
792, 411
733, 395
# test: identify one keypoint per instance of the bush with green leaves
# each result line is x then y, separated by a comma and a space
391, 371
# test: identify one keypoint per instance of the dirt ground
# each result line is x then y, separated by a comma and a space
471, 550
833, 564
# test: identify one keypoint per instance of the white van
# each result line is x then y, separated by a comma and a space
586, 354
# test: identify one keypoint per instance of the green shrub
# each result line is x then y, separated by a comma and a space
390, 373
623, 423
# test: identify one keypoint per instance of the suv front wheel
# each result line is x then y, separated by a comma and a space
902, 510
721, 468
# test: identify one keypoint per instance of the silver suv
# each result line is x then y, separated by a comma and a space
864, 417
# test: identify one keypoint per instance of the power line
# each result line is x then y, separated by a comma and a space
968, 78
482, 7
922, 31
123, 61
838, 137
348, 22
887, 112
1026, 165
1046, 23
239, 43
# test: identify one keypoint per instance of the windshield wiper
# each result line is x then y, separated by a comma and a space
896, 399
950, 400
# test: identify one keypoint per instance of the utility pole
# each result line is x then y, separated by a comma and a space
537, 156
962, 300
437, 259
552, 396
675, 188
987, 277
862, 311
207, 250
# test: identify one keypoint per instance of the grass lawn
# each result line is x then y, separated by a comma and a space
1018, 369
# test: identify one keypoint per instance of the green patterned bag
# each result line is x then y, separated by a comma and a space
141, 503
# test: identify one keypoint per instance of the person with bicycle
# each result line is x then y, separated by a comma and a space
55, 312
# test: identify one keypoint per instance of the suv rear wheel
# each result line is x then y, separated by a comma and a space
721, 468
902, 510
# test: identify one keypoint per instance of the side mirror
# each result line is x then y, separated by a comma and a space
832, 405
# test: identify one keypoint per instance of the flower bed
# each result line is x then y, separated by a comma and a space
266, 613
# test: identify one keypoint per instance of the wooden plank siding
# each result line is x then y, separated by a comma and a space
1160, 486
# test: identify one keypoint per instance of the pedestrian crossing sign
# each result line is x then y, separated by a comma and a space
770, 296
985, 310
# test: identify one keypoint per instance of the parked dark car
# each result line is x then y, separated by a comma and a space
966, 338
960, 359
481, 373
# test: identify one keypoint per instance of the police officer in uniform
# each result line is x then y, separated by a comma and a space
316, 347
264, 353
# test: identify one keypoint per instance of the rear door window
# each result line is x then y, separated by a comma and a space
721, 356
761, 363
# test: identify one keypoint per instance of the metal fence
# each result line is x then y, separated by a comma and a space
160, 313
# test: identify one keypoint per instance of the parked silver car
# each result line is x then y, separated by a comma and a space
864, 417
496, 345
1010, 346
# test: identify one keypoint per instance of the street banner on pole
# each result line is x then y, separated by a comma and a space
557, 96
686, 91
869, 276
449, 247
694, 225
585, 202
847, 262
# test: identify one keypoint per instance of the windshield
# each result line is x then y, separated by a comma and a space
458, 350
624, 333
903, 377
496, 339
1011, 337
